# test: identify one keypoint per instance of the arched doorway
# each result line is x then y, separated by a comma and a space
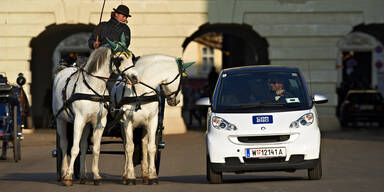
240, 44
361, 60
215, 47
43, 54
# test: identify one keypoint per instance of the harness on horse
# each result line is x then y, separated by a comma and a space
91, 97
152, 98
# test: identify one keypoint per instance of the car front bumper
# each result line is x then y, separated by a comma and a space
232, 164
227, 153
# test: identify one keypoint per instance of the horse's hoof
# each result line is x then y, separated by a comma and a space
97, 181
67, 182
83, 180
153, 181
129, 181
3, 157
145, 180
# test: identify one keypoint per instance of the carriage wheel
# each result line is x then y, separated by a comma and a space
59, 158
16, 138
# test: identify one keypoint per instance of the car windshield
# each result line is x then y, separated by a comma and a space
258, 91
365, 97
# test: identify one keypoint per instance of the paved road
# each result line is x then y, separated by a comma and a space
352, 161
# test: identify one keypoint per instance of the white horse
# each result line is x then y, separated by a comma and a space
154, 70
71, 85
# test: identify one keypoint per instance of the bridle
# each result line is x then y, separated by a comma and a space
179, 75
116, 61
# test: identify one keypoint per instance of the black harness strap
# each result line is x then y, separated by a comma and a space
81, 96
64, 95
89, 87
143, 100
138, 102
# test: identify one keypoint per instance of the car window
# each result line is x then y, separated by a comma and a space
364, 97
253, 90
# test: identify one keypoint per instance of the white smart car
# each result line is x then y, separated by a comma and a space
250, 128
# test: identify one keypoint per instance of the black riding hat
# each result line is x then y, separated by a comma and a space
122, 9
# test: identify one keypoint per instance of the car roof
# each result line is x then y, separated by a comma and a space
363, 91
260, 68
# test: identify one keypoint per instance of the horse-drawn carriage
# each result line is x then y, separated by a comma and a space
12, 115
113, 130
79, 97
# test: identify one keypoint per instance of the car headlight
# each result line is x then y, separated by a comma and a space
220, 123
304, 120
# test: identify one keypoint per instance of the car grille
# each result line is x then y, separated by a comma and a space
271, 160
263, 139
236, 161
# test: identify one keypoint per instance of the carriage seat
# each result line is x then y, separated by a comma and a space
7, 95
5, 88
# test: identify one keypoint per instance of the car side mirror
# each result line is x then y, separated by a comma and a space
319, 98
203, 102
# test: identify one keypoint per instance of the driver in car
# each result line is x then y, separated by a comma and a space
279, 94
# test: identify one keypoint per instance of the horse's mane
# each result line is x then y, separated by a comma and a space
59, 68
97, 59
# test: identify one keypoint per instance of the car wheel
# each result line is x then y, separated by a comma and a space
316, 172
212, 176
344, 125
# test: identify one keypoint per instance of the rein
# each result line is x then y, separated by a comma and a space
152, 98
161, 94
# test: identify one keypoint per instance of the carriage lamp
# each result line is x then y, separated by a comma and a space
220, 123
54, 153
20, 136
304, 120
20, 79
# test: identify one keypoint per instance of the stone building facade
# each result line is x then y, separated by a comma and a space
301, 33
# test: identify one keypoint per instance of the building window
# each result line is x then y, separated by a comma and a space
207, 58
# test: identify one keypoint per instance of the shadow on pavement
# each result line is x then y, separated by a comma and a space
31, 177
229, 179
195, 179
361, 134
261, 178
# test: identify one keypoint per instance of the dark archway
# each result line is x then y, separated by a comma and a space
361, 64
244, 45
41, 64
240, 46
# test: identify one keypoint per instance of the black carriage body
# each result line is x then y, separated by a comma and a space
8, 100
10, 119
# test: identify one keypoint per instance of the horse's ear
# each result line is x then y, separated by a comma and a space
122, 40
113, 45
182, 64
186, 65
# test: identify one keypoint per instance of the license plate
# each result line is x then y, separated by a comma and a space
366, 107
265, 152
262, 119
